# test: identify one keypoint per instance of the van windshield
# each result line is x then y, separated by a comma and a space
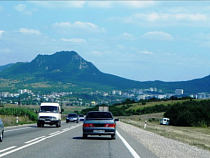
49, 109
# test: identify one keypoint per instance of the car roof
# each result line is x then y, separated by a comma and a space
99, 111
99, 114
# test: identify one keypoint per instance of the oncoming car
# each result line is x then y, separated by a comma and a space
1, 130
99, 123
72, 117
81, 117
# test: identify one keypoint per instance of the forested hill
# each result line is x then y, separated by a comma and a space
70, 70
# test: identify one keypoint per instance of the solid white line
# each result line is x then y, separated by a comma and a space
34, 139
9, 152
16, 129
7, 149
135, 155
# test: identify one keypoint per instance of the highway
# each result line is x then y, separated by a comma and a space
67, 142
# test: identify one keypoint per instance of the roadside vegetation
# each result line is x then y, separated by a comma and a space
189, 118
12, 114
196, 136
27, 113
182, 112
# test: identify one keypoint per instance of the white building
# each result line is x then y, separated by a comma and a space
116, 92
143, 97
22, 91
179, 91
161, 96
202, 95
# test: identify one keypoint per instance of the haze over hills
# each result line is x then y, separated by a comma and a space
67, 71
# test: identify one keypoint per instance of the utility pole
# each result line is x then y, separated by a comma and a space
19, 100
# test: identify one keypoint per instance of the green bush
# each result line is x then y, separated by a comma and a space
190, 113
19, 112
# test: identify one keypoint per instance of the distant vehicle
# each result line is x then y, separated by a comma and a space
49, 113
99, 123
72, 117
81, 117
1, 130
103, 108
164, 121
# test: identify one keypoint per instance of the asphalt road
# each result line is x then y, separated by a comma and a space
67, 142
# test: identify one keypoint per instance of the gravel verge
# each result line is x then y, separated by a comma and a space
161, 146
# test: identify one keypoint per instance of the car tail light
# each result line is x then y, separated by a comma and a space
88, 125
109, 125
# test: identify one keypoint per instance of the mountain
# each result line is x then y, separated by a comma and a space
5, 66
66, 70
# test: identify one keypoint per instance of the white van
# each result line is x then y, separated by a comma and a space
164, 121
49, 113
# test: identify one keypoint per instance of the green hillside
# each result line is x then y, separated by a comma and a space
67, 71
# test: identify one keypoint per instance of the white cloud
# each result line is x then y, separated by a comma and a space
152, 17
6, 50
59, 5
100, 4
146, 52
29, 31
127, 36
73, 40
138, 4
191, 17
155, 19
22, 9
121, 47
202, 39
1, 32
97, 53
66, 27
157, 35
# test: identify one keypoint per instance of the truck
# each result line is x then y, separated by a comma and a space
49, 113
103, 108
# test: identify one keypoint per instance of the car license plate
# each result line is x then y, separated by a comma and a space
47, 121
99, 131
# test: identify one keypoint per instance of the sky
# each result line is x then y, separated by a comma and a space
138, 40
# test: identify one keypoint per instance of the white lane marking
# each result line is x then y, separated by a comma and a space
22, 147
34, 139
7, 149
17, 129
35, 142
135, 155
54, 133
66, 129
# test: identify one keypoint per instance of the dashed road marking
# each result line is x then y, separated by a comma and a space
34, 141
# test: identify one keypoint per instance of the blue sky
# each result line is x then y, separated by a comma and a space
138, 40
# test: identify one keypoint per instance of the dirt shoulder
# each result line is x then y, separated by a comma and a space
195, 136
161, 146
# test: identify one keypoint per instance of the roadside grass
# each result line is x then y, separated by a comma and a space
9, 120
139, 105
195, 136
